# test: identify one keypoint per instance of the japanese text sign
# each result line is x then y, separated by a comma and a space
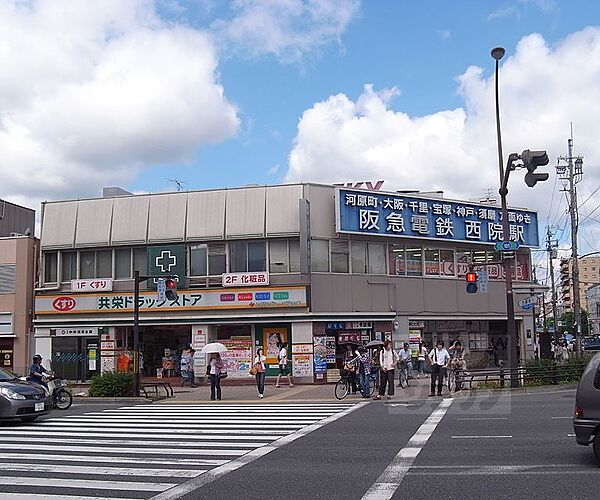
245, 279
92, 285
388, 214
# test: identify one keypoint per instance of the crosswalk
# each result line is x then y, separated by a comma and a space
140, 451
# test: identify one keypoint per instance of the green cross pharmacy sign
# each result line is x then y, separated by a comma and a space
167, 260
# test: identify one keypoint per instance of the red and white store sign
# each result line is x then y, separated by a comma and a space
246, 279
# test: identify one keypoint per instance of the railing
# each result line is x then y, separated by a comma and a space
527, 376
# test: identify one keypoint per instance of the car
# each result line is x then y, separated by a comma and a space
586, 420
22, 400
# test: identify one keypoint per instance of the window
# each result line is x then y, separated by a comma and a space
414, 264
217, 259
294, 248
339, 256
432, 262
319, 256
6, 323
463, 259
376, 256
447, 267
50, 267
247, 256
478, 340
359, 257
198, 260
257, 256
123, 263
87, 264
69, 266
278, 256
397, 260
104, 264
140, 260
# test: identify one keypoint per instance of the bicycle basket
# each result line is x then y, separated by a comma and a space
344, 373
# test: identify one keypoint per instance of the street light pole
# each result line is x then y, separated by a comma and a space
511, 325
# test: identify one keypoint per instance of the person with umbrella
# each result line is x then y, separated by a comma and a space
216, 368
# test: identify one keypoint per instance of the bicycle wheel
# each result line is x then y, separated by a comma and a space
451, 380
341, 389
402, 379
371, 386
63, 399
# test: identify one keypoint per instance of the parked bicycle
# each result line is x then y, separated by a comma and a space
343, 387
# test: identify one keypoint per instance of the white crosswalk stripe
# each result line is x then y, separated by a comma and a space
139, 451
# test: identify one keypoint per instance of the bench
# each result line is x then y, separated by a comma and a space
156, 390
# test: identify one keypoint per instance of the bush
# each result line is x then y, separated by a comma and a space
112, 384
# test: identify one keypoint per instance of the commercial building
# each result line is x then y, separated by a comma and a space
592, 297
18, 257
312, 265
589, 275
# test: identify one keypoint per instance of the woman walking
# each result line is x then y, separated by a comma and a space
421, 360
388, 359
260, 368
216, 367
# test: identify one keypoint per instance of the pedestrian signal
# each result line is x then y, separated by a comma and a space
471, 282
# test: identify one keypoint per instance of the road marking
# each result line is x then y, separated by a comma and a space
38, 496
111, 471
481, 437
17, 455
482, 418
391, 478
191, 435
134, 451
570, 435
210, 476
569, 417
82, 483
161, 430
498, 470
118, 441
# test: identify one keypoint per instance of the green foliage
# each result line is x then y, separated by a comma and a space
548, 371
112, 384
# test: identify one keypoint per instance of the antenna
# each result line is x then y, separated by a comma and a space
178, 184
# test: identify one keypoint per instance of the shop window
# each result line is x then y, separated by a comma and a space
198, 260
217, 259
123, 263
68, 266
294, 248
278, 256
319, 256
447, 266
376, 257
104, 264
6, 323
397, 260
478, 340
339, 256
432, 262
414, 263
50, 267
140, 260
359, 257
257, 256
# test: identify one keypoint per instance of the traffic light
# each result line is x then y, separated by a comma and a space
533, 160
171, 291
471, 282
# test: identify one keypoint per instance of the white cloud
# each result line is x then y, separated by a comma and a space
286, 29
542, 89
90, 96
273, 170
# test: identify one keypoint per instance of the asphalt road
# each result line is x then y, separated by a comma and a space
492, 447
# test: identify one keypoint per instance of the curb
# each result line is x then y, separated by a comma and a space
465, 393
90, 400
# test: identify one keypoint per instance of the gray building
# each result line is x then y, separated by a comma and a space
312, 265
16, 220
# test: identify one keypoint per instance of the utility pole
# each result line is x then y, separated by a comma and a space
572, 173
550, 248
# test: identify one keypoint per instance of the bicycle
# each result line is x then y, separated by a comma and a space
344, 385
403, 375
453, 370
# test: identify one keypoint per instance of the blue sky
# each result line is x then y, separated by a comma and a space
419, 47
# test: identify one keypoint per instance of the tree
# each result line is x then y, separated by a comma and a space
566, 323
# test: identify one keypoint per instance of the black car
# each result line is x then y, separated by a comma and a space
22, 400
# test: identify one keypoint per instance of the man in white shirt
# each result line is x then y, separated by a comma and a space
406, 359
439, 358
387, 360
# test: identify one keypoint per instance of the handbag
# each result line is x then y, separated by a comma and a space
223, 375
253, 370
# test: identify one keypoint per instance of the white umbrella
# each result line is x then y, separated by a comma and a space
213, 347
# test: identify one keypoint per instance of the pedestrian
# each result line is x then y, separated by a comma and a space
422, 354
186, 367
216, 370
565, 351
260, 369
439, 358
364, 372
282, 360
405, 362
350, 363
558, 352
387, 359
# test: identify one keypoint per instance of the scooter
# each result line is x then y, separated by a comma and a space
61, 397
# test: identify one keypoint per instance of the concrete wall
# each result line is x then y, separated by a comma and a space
15, 219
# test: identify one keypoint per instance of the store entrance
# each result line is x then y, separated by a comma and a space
161, 348
238, 358
75, 358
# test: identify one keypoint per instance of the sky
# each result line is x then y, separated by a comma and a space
214, 93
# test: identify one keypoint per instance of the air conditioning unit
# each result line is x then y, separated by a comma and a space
16, 234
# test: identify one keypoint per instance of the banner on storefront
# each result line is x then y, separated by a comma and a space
396, 215
274, 337
303, 365
261, 298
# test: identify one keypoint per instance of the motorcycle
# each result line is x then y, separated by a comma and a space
61, 397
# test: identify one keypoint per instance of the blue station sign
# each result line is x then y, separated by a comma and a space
389, 214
